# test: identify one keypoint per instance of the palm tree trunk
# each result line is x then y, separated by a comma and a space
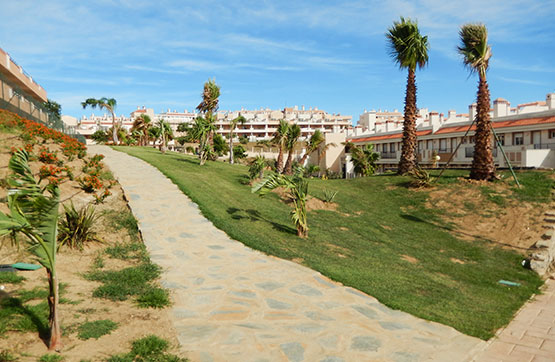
483, 167
55, 343
408, 154
114, 131
279, 162
231, 147
289, 163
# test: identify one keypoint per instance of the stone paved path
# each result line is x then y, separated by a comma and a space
530, 336
232, 303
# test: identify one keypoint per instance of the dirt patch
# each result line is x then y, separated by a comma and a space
312, 203
509, 223
457, 261
343, 228
409, 258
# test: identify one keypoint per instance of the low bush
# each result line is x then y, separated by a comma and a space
76, 227
154, 298
151, 349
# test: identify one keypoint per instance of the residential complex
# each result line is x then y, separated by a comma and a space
259, 125
526, 132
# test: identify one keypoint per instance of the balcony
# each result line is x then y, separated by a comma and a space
544, 146
388, 155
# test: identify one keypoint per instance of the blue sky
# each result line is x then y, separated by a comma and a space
328, 54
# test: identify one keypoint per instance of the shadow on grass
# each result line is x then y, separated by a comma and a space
180, 158
243, 180
15, 305
254, 216
458, 233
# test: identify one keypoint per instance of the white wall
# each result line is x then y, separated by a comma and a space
539, 158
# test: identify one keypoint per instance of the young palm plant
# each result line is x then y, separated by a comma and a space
297, 187
409, 49
33, 212
232, 125
476, 53
364, 159
108, 104
291, 139
141, 124
166, 134
76, 227
257, 166
280, 139
199, 132
207, 107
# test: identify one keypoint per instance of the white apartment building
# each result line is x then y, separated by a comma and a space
260, 124
526, 132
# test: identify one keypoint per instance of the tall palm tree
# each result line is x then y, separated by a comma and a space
199, 132
409, 49
280, 138
207, 107
142, 124
108, 104
292, 137
232, 125
476, 54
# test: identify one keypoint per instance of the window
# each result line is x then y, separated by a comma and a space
429, 144
501, 138
443, 144
518, 139
392, 147
551, 133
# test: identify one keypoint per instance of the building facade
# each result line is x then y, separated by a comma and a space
525, 132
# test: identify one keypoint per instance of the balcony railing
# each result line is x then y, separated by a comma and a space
469, 152
388, 155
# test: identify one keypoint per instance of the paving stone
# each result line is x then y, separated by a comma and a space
184, 313
370, 313
243, 294
269, 285
366, 343
309, 327
405, 357
392, 326
307, 290
317, 316
171, 239
276, 304
329, 342
215, 247
294, 351
192, 333
323, 281
332, 359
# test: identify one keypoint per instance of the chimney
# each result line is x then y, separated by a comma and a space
451, 114
550, 100
500, 108
472, 111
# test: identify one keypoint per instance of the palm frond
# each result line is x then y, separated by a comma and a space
407, 46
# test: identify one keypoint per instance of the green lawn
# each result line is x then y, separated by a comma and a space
362, 244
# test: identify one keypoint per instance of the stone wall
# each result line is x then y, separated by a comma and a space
541, 256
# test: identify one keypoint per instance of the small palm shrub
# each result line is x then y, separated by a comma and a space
256, 167
76, 227
420, 177
329, 195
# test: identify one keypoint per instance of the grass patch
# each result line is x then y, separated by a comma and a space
122, 284
492, 196
96, 329
151, 349
154, 298
51, 358
352, 246
10, 278
535, 186
125, 251
118, 220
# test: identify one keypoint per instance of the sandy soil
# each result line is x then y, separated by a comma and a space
517, 225
133, 322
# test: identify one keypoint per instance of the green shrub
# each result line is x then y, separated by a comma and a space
76, 227
123, 220
154, 298
329, 195
132, 250
239, 152
420, 177
96, 329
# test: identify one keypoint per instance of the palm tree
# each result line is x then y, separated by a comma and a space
142, 124
33, 212
199, 132
257, 166
364, 159
280, 138
298, 192
291, 139
104, 103
476, 54
409, 49
316, 143
208, 106
165, 134
232, 125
